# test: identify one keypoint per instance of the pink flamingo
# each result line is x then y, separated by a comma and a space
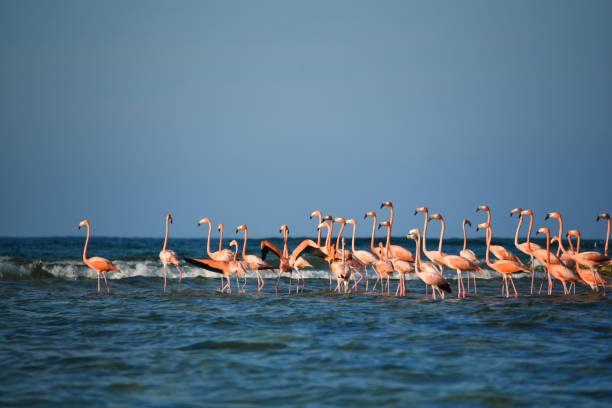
560, 270
97, 263
505, 267
433, 256
605, 216
432, 276
468, 254
499, 251
527, 248
455, 262
385, 266
221, 254
317, 213
340, 268
167, 256
223, 267
592, 259
354, 263
377, 251
366, 258
397, 251
401, 266
254, 262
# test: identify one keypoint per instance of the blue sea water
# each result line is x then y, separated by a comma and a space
63, 344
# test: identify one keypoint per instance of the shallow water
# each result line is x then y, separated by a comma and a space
62, 344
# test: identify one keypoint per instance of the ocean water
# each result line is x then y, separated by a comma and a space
63, 344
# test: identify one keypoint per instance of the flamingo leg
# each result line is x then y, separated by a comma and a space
594, 279
458, 284
290, 277
433, 292
98, 281
367, 279
244, 284
532, 275
164, 277
513, 287
106, 282
468, 281
475, 290
277, 281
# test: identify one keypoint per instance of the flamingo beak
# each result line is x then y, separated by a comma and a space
547, 217
468, 223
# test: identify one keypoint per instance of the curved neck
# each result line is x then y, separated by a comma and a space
244, 244
425, 233
319, 233
560, 235
86, 242
166, 239
236, 252
391, 218
489, 234
489, 217
418, 252
607, 239
285, 248
388, 240
339, 235
578, 244
530, 226
220, 237
328, 240
441, 235
571, 245
517, 230
373, 232
548, 249
208, 240
464, 238
353, 239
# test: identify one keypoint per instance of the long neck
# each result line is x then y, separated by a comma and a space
246, 234
578, 243
560, 235
418, 252
529, 232
339, 235
208, 240
220, 237
489, 234
353, 239
166, 239
330, 233
571, 244
391, 218
388, 240
236, 252
464, 238
441, 235
328, 239
607, 239
548, 250
425, 233
373, 232
517, 230
285, 248
489, 217
86, 242
319, 234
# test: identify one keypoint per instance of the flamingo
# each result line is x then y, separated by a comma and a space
254, 262
317, 213
401, 266
560, 270
167, 256
397, 251
503, 266
592, 259
222, 254
468, 254
366, 258
294, 262
605, 216
385, 267
433, 256
499, 251
432, 276
376, 251
455, 262
353, 263
97, 263
340, 268
527, 248
223, 267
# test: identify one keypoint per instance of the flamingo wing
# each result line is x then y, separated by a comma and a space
101, 264
208, 264
308, 246
267, 246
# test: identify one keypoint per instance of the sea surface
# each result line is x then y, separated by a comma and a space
63, 344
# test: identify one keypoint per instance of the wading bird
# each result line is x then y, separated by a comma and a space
254, 262
97, 263
527, 247
167, 256
560, 270
431, 275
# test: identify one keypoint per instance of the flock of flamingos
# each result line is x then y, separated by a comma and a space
568, 266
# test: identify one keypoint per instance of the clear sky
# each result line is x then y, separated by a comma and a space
259, 112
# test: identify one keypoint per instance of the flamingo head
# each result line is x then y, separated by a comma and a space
414, 231
284, 227
351, 221
603, 216
483, 208
220, 227
241, 227
553, 215
435, 216
233, 243
573, 233
411, 236
553, 239
83, 223
340, 220
516, 210
467, 222
384, 224
323, 224
328, 218
482, 226
421, 209
543, 230
203, 220
527, 212
369, 214
315, 214
387, 204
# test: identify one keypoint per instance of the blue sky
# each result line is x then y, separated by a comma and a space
260, 112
